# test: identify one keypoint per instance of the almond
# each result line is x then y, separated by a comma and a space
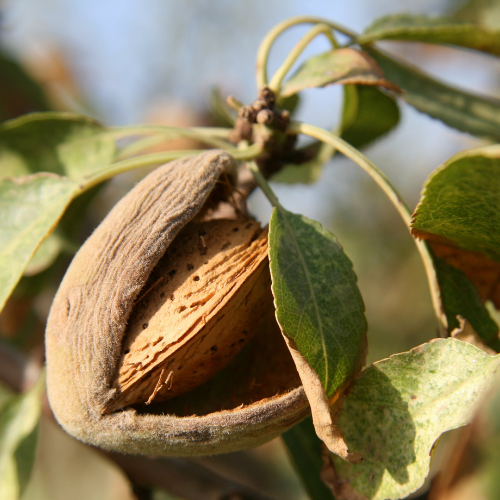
201, 305
114, 287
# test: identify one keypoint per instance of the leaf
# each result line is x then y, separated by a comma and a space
310, 160
466, 333
462, 110
361, 105
437, 30
397, 409
483, 12
70, 146
290, 103
18, 430
30, 208
344, 66
62, 143
305, 452
320, 312
460, 297
459, 214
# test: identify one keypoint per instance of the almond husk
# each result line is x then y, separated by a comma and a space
87, 326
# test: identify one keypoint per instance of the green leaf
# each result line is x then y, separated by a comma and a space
437, 30
361, 105
472, 113
305, 451
62, 150
397, 409
30, 208
62, 143
318, 304
483, 12
290, 103
306, 172
460, 297
18, 430
344, 66
461, 202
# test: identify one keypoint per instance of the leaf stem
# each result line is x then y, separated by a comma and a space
273, 34
277, 79
383, 182
263, 184
120, 167
210, 136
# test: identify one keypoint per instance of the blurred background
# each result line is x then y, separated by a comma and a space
156, 61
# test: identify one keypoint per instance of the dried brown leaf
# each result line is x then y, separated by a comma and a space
321, 410
466, 333
477, 266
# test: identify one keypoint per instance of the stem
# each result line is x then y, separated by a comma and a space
391, 192
120, 167
270, 38
209, 136
141, 161
276, 80
140, 145
263, 184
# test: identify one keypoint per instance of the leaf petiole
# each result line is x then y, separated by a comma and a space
122, 166
275, 83
270, 38
263, 184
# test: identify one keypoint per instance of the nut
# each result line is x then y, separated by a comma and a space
254, 398
198, 314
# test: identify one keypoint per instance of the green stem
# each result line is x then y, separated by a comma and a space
263, 184
391, 192
209, 136
123, 166
120, 167
277, 79
140, 145
270, 38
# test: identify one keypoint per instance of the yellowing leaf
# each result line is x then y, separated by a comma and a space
396, 410
30, 207
459, 214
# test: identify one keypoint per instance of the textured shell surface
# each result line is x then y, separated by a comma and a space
92, 308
